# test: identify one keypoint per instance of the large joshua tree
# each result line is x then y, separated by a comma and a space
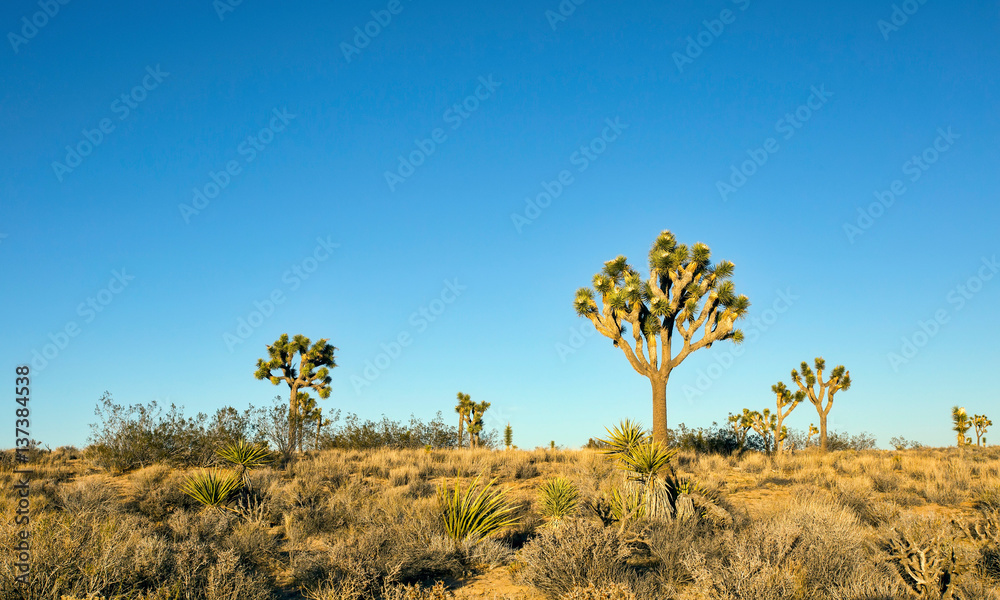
786, 403
310, 372
685, 293
817, 390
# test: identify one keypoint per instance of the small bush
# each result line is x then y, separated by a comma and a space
573, 554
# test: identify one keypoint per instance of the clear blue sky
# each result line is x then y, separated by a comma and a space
196, 86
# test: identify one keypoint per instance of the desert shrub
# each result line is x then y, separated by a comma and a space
131, 437
613, 591
90, 495
707, 440
573, 554
670, 541
227, 579
354, 434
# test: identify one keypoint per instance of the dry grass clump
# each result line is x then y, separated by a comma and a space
368, 525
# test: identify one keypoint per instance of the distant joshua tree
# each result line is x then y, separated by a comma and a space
741, 423
785, 399
840, 379
961, 422
508, 436
981, 422
463, 409
685, 292
764, 424
812, 431
311, 372
476, 422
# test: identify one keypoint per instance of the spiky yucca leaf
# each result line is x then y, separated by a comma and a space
643, 461
559, 498
625, 436
627, 503
212, 488
245, 454
472, 513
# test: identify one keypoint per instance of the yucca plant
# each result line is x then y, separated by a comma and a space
474, 513
245, 456
213, 488
559, 498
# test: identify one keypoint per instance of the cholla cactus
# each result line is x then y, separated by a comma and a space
962, 423
685, 292
981, 422
786, 401
840, 379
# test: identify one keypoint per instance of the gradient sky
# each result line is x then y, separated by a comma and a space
853, 295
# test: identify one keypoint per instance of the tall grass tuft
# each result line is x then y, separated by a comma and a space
474, 513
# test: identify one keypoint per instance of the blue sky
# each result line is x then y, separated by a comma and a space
289, 127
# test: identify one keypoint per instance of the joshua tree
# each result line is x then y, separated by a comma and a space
281, 366
476, 422
812, 431
840, 379
980, 422
741, 424
508, 436
685, 292
764, 424
785, 399
962, 424
463, 408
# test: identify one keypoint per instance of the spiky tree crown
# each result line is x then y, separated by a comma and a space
685, 291
786, 397
838, 380
280, 365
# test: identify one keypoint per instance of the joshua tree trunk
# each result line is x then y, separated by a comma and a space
293, 418
461, 429
822, 432
659, 409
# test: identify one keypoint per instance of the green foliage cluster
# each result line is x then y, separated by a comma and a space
474, 512
131, 437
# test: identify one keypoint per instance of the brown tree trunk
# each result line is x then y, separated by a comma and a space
779, 445
293, 412
822, 432
659, 409
461, 429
